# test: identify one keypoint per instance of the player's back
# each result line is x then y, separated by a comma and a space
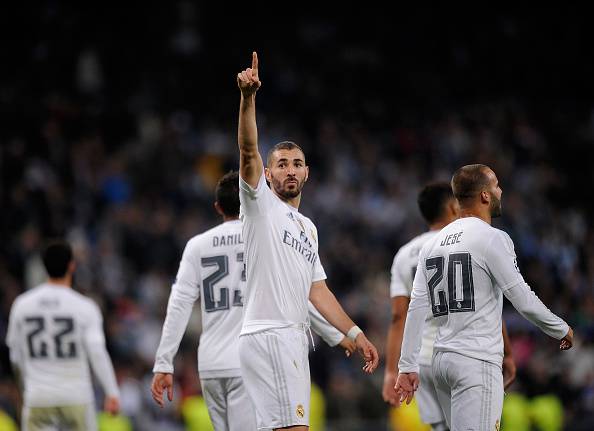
461, 288
403, 271
48, 330
218, 254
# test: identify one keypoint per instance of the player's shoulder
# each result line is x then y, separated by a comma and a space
412, 248
28, 296
503, 236
427, 241
81, 301
198, 241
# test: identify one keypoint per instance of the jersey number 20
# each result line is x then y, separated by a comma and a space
460, 287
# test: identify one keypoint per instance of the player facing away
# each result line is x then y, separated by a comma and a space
462, 275
212, 270
53, 334
283, 271
439, 208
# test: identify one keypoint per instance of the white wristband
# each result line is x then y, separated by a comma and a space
353, 332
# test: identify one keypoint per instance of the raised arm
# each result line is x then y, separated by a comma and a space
250, 161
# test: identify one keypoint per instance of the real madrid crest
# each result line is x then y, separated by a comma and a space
300, 411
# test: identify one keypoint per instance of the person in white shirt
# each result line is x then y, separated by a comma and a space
53, 334
283, 272
439, 207
462, 275
212, 270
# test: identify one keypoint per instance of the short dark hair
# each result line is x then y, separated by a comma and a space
227, 193
432, 200
57, 255
284, 145
468, 181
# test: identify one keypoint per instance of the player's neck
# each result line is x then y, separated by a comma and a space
474, 212
439, 225
227, 218
294, 202
61, 281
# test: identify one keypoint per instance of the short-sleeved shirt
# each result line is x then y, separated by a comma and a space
403, 271
281, 256
49, 329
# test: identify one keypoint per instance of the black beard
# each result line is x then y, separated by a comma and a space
284, 193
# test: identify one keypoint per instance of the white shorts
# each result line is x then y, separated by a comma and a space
470, 391
73, 418
229, 406
426, 395
275, 370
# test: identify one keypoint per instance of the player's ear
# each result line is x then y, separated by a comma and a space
267, 174
306, 173
72, 266
485, 197
218, 208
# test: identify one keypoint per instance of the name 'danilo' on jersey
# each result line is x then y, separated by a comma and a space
227, 240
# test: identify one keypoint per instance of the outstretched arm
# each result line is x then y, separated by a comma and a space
250, 161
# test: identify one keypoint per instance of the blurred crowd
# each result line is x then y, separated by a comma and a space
116, 130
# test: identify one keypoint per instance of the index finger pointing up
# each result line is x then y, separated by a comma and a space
254, 60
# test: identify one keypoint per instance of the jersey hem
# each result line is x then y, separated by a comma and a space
219, 374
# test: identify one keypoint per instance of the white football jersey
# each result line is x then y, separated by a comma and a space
53, 333
462, 275
281, 250
401, 283
212, 269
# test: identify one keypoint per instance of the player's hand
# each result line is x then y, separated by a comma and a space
368, 351
248, 80
388, 392
111, 405
161, 382
567, 341
348, 345
509, 371
406, 385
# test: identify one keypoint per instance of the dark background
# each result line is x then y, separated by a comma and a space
117, 121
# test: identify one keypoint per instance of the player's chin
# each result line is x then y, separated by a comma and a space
291, 191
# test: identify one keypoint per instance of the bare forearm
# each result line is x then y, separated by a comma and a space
250, 162
326, 303
393, 344
507, 351
247, 133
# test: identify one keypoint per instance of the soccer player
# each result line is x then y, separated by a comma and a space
212, 269
439, 208
53, 334
283, 271
462, 275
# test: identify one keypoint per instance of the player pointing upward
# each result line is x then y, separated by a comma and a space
283, 271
